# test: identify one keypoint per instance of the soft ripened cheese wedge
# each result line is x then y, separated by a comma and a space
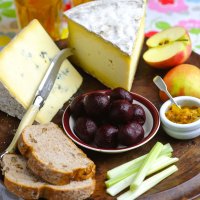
107, 36
23, 63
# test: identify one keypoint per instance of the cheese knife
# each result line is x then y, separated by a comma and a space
41, 95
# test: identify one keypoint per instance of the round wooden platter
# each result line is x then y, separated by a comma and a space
184, 184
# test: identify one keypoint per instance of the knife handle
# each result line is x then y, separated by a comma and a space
28, 119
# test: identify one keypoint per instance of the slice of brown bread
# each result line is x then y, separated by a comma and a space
20, 181
53, 156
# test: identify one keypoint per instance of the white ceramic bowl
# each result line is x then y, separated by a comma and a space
180, 131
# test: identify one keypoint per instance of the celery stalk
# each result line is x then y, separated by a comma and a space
115, 171
163, 162
126, 173
123, 175
145, 167
160, 163
148, 184
167, 149
118, 187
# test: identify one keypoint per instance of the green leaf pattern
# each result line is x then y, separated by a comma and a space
6, 9
162, 25
4, 5
9, 13
195, 31
197, 46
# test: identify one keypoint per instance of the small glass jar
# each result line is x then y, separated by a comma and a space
48, 13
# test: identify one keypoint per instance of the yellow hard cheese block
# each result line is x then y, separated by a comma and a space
107, 37
23, 63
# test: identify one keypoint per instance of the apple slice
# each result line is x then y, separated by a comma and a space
168, 48
167, 55
166, 36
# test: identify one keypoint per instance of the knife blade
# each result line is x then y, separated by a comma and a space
40, 96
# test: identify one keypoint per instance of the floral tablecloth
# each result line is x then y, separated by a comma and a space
161, 14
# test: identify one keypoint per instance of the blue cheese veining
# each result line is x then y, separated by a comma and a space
23, 63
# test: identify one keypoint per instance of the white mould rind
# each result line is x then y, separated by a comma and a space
116, 21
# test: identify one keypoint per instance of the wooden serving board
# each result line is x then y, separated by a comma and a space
184, 184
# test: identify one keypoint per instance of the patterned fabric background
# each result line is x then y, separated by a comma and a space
161, 14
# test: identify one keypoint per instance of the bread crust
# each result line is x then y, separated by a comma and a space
47, 172
49, 191
22, 190
75, 194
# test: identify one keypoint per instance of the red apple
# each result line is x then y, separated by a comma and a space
168, 48
182, 80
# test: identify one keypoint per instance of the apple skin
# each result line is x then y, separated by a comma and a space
182, 80
177, 59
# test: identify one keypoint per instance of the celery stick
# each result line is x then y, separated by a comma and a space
145, 167
115, 171
160, 163
163, 162
118, 187
123, 175
148, 184
126, 173
167, 149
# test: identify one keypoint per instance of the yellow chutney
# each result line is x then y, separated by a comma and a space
185, 115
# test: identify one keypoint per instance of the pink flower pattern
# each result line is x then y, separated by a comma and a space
168, 6
162, 14
190, 23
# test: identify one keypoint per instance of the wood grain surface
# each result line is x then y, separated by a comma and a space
184, 184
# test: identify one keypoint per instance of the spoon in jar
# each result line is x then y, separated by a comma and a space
162, 86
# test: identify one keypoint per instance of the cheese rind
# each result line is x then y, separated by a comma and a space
23, 63
115, 21
9, 105
107, 37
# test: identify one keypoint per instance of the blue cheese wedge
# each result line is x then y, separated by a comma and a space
107, 36
23, 63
